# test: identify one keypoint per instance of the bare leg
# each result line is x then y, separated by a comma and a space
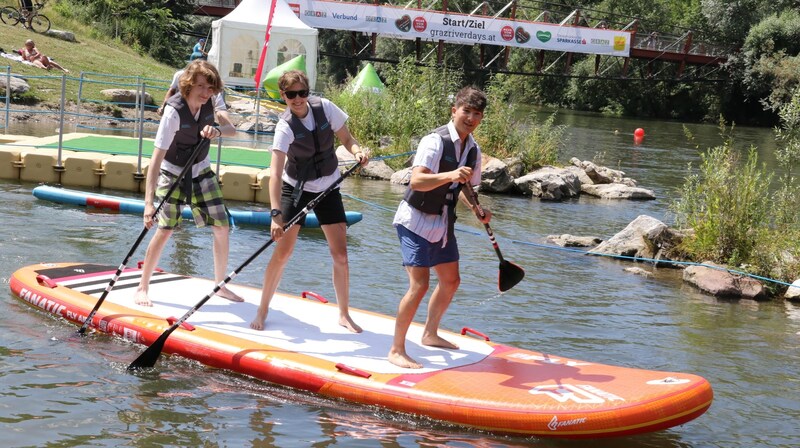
51, 63
336, 234
273, 273
37, 62
151, 258
449, 280
221, 247
418, 279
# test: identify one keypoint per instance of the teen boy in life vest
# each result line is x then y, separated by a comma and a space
425, 219
189, 117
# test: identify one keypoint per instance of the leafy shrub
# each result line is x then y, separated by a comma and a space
738, 218
418, 99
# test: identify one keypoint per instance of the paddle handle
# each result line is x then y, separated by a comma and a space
142, 234
482, 214
149, 357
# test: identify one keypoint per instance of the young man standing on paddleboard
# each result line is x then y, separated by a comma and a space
189, 116
303, 165
445, 160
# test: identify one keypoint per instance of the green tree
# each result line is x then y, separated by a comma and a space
150, 26
771, 59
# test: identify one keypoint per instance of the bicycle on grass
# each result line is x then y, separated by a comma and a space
27, 14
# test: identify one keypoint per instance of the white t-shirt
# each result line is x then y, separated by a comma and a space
167, 128
284, 137
429, 152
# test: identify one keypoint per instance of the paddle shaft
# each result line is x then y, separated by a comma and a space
135, 246
481, 214
149, 357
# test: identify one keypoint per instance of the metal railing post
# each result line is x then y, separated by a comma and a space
80, 92
8, 97
258, 111
60, 166
141, 120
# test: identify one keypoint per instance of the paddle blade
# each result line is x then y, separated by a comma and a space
150, 356
510, 274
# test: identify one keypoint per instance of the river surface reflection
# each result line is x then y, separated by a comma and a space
59, 390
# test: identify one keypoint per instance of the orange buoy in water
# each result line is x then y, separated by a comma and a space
639, 133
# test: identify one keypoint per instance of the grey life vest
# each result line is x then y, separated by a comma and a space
189, 132
311, 154
433, 201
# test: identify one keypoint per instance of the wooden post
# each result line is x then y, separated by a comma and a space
482, 46
418, 41
440, 48
575, 22
374, 36
540, 56
508, 49
627, 63
686, 47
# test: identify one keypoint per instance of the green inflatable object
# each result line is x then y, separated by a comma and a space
270, 83
368, 80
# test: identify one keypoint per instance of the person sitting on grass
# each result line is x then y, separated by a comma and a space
32, 54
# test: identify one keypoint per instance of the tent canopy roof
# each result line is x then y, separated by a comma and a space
252, 14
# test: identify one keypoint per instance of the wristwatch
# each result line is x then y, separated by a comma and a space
275, 212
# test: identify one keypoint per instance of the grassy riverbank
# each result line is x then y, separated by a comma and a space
89, 53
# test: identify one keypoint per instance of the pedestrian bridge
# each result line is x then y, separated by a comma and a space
659, 48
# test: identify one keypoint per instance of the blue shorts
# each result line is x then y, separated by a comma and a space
419, 252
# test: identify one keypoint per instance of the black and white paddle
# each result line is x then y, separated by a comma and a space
510, 274
133, 248
150, 356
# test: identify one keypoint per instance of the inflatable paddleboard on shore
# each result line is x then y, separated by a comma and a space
483, 385
136, 206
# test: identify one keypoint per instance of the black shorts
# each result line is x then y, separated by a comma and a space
329, 211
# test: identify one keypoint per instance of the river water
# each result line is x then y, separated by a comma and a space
59, 390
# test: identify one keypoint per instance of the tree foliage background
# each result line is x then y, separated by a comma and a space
763, 37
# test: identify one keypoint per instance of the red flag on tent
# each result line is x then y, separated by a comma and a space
266, 44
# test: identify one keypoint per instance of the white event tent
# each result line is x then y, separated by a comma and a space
237, 40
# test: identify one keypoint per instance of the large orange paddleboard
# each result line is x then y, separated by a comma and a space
483, 384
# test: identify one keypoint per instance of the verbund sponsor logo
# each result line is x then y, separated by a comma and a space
338, 16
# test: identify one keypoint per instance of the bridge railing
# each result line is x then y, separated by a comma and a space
218, 3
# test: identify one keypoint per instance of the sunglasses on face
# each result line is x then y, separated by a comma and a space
292, 94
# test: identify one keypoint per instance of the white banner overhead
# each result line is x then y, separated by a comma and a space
404, 23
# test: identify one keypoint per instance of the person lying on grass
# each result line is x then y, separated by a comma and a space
32, 54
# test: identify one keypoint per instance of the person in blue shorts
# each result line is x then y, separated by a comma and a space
189, 116
446, 159
199, 50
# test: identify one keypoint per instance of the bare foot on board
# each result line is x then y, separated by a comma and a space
403, 360
141, 299
436, 341
347, 322
258, 321
226, 293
